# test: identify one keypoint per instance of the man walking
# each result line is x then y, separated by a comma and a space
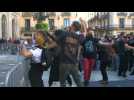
70, 59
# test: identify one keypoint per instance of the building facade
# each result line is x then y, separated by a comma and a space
27, 24
9, 25
64, 19
59, 20
112, 22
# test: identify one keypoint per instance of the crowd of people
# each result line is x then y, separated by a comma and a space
9, 46
76, 50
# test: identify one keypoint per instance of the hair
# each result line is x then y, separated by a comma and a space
42, 40
77, 25
89, 34
41, 32
60, 35
122, 34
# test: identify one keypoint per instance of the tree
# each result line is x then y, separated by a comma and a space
42, 26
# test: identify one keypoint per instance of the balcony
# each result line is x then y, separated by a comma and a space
27, 14
27, 33
122, 14
65, 14
15, 13
114, 27
23, 29
117, 27
131, 15
105, 16
51, 13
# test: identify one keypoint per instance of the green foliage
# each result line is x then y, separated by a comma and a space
42, 26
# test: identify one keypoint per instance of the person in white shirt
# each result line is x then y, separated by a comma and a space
36, 71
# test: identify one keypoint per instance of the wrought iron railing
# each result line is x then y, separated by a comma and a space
51, 13
122, 14
27, 14
115, 27
65, 14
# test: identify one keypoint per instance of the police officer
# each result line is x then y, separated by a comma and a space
36, 70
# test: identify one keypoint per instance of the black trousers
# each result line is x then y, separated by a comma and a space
123, 65
131, 61
35, 75
103, 66
54, 73
69, 69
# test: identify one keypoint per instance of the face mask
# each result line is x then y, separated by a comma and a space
78, 32
25, 43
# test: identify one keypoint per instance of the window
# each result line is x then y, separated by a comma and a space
66, 22
76, 14
4, 26
132, 22
13, 28
122, 22
51, 24
104, 24
27, 24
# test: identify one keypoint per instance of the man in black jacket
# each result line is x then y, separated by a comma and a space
70, 59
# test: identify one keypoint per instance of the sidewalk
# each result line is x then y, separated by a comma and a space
114, 80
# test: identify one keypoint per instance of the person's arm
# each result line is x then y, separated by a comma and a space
106, 43
79, 52
26, 53
84, 27
51, 45
51, 42
129, 47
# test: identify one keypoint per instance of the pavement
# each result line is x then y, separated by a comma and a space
114, 80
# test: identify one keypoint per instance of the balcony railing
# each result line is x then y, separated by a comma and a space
25, 30
122, 14
51, 13
27, 14
106, 16
115, 27
131, 14
66, 14
27, 33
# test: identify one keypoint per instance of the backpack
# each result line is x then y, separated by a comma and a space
89, 47
44, 61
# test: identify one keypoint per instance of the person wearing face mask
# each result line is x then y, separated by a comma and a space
104, 51
89, 54
75, 27
121, 46
79, 29
37, 67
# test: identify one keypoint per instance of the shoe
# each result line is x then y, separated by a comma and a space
103, 82
70, 85
132, 73
124, 75
129, 70
86, 83
119, 74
